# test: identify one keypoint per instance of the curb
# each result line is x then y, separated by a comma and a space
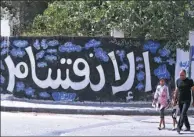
143, 111
84, 103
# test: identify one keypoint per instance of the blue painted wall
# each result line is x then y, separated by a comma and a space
61, 53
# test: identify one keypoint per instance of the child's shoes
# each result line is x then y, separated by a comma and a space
173, 129
160, 128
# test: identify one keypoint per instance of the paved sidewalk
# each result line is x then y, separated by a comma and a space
37, 124
11, 104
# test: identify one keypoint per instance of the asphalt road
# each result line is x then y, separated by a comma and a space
27, 124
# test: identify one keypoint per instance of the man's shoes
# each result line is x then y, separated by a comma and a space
178, 130
187, 129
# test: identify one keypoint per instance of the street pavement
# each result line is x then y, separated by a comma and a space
45, 124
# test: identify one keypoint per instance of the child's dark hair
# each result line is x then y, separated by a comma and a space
161, 79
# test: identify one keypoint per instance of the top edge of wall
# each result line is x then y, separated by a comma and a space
98, 37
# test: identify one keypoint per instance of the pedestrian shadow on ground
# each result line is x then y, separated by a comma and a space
182, 133
188, 133
149, 121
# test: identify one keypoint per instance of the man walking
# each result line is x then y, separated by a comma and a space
183, 90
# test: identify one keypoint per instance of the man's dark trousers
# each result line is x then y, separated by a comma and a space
183, 107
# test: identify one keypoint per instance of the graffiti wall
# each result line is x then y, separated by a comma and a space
83, 68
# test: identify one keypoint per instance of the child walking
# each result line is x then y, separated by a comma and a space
175, 110
162, 99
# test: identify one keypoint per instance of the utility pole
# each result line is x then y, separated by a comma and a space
191, 54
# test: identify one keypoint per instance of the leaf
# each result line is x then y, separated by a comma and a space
153, 19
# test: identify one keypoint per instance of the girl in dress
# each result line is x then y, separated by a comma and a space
161, 100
